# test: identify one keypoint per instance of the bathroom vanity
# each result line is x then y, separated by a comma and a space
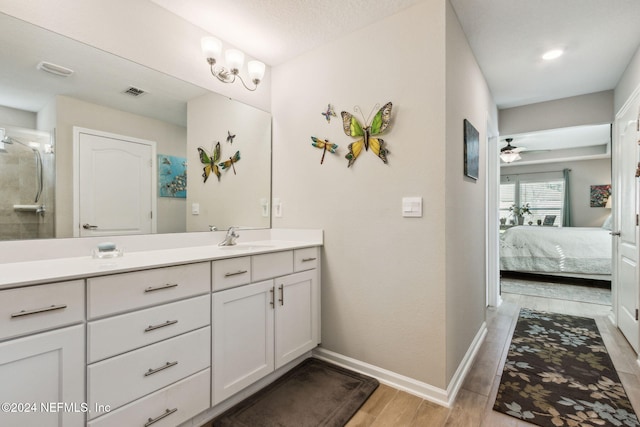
154, 337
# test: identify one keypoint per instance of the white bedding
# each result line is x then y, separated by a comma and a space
556, 250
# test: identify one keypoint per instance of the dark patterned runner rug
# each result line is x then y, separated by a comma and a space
558, 373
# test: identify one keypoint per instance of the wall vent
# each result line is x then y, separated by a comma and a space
134, 91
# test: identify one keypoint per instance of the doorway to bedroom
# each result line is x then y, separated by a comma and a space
555, 210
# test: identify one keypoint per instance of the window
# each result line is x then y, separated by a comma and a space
544, 192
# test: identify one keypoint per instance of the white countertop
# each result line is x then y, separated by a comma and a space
59, 269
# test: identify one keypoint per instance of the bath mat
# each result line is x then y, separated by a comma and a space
314, 393
558, 373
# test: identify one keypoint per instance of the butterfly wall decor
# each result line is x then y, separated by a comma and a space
210, 162
329, 113
230, 137
325, 145
231, 162
369, 133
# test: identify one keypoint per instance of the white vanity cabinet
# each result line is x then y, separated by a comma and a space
41, 369
148, 343
259, 327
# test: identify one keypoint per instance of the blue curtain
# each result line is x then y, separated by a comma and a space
566, 211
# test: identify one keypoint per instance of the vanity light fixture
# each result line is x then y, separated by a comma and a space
212, 49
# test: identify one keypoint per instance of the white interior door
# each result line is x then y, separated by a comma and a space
115, 188
625, 230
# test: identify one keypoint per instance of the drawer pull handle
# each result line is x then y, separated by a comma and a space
272, 301
236, 273
160, 288
161, 368
161, 325
38, 310
281, 300
166, 413
309, 259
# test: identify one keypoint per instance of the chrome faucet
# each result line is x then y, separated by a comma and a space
230, 238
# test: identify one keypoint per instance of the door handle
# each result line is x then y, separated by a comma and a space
614, 233
89, 226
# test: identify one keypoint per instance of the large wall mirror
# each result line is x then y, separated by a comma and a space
40, 106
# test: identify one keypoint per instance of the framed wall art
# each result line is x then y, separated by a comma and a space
471, 150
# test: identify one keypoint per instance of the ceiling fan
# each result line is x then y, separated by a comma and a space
510, 153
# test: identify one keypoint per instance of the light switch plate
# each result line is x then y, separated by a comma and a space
412, 207
195, 208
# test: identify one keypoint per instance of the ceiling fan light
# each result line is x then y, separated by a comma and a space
508, 156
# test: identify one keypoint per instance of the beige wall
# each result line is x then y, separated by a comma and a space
629, 82
590, 109
584, 174
171, 139
235, 199
386, 282
467, 97
18, 118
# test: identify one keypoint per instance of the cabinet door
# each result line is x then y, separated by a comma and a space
296, 321
42, 378
242, 337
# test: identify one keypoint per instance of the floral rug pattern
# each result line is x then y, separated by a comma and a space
558, 373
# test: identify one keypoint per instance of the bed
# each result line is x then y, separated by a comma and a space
567, 251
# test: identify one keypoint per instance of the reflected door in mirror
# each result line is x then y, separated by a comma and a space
116, 184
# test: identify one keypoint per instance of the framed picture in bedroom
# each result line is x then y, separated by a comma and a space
471, 150
549, 220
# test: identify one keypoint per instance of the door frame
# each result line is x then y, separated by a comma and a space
76, 173
615, 208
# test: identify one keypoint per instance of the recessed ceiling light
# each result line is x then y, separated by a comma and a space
552, 54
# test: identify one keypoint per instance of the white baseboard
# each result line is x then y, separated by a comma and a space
418, 388
466, 363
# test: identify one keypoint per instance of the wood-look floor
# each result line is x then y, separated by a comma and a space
388, 407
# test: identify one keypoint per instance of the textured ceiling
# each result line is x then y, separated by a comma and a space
275, 31
507, 36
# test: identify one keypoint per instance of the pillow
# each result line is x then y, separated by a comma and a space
608, 223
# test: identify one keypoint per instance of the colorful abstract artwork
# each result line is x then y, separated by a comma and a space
599, 195
172, 176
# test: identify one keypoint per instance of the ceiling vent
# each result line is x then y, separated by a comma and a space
134, 91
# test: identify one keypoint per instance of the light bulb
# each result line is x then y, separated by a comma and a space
256, 70
211, 47
234, 59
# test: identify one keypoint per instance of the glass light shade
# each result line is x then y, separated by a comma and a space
234, 59
211, 47
256, 70
509, 157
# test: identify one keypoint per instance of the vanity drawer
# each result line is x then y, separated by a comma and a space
175, 404
125, 378
271, 265
305, 259
231, 272
115, 335
123, 292
36, 308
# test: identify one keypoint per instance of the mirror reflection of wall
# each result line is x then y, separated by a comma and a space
93, 97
